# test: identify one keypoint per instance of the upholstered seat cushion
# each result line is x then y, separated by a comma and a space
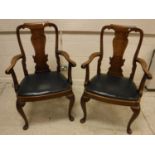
43, 83
111, 86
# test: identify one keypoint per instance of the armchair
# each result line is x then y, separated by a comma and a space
112, 87
44, 83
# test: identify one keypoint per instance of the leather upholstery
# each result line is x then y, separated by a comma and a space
43, 83
110, 86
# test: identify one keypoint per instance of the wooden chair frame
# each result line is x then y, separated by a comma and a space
120, 42
38, 41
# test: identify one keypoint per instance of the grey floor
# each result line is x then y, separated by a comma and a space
50, 116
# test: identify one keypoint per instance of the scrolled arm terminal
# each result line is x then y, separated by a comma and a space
13, 63
144, 67
66, 56
91, 57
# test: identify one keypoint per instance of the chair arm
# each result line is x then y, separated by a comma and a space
71, 64
11, 71
13, 63
144, 67
91, 57
66, 56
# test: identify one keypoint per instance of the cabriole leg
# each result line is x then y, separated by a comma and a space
84, 99
71, 97
20, 106
136, 111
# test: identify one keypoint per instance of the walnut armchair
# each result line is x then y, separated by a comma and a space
113, 87
44, 83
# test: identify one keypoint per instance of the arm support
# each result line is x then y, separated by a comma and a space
144, 67
86, 65
146, 75
66, 56
70, 65
91, 57
11, 71
13, 63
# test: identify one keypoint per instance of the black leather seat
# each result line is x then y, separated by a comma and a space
43, 83
110, 86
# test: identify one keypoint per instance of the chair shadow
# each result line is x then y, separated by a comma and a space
48, 110
108, 113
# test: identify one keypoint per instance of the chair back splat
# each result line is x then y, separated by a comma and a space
120, 43
38, 40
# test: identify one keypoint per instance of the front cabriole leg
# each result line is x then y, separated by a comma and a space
84, 99
136, 111
71, 97
19, 106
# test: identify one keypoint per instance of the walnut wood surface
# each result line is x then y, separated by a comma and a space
38, 40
